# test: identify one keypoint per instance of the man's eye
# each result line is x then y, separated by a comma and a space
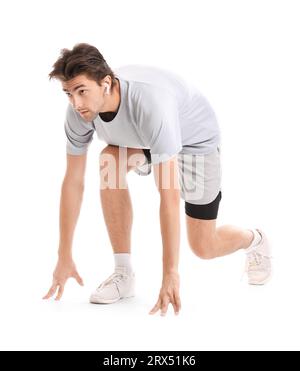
82, 91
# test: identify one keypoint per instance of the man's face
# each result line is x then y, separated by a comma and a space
85, 95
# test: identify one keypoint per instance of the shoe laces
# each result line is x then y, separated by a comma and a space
115, 278
256, 262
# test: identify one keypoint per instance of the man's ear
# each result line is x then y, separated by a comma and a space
105, 80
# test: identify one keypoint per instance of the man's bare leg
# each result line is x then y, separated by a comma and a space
209, 242
117, 210
115, 199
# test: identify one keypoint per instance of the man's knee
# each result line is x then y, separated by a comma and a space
110, 157
122, 157
109, 150
116, 162
112, 176
204, 249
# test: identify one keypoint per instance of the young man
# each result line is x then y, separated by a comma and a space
148, 117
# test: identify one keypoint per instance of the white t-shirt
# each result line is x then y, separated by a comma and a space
158, 110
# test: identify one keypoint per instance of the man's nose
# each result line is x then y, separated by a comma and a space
76, 103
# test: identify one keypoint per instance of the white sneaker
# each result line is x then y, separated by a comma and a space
117, 286
258, 262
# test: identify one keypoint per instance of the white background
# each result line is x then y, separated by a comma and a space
244, 57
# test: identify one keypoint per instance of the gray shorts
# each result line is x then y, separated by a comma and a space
199, 179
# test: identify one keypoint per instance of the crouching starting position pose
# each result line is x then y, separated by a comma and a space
151, 119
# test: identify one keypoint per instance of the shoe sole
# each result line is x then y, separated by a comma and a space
111, 301
268, 279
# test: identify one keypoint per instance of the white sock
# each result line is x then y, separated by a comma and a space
256, 240
123, 260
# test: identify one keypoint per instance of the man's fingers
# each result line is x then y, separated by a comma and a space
78, 279
155, 308
177, 304
60, 292
51, 292
164, 307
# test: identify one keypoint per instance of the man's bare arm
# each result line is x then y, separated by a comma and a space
70, 204
166, 178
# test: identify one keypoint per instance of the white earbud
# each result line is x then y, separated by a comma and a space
107, 89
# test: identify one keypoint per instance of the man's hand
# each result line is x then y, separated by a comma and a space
169, 293
65, 269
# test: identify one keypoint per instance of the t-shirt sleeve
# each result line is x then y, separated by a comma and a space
79, 133
160, 127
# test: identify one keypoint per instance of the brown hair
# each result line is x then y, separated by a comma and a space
82, 59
